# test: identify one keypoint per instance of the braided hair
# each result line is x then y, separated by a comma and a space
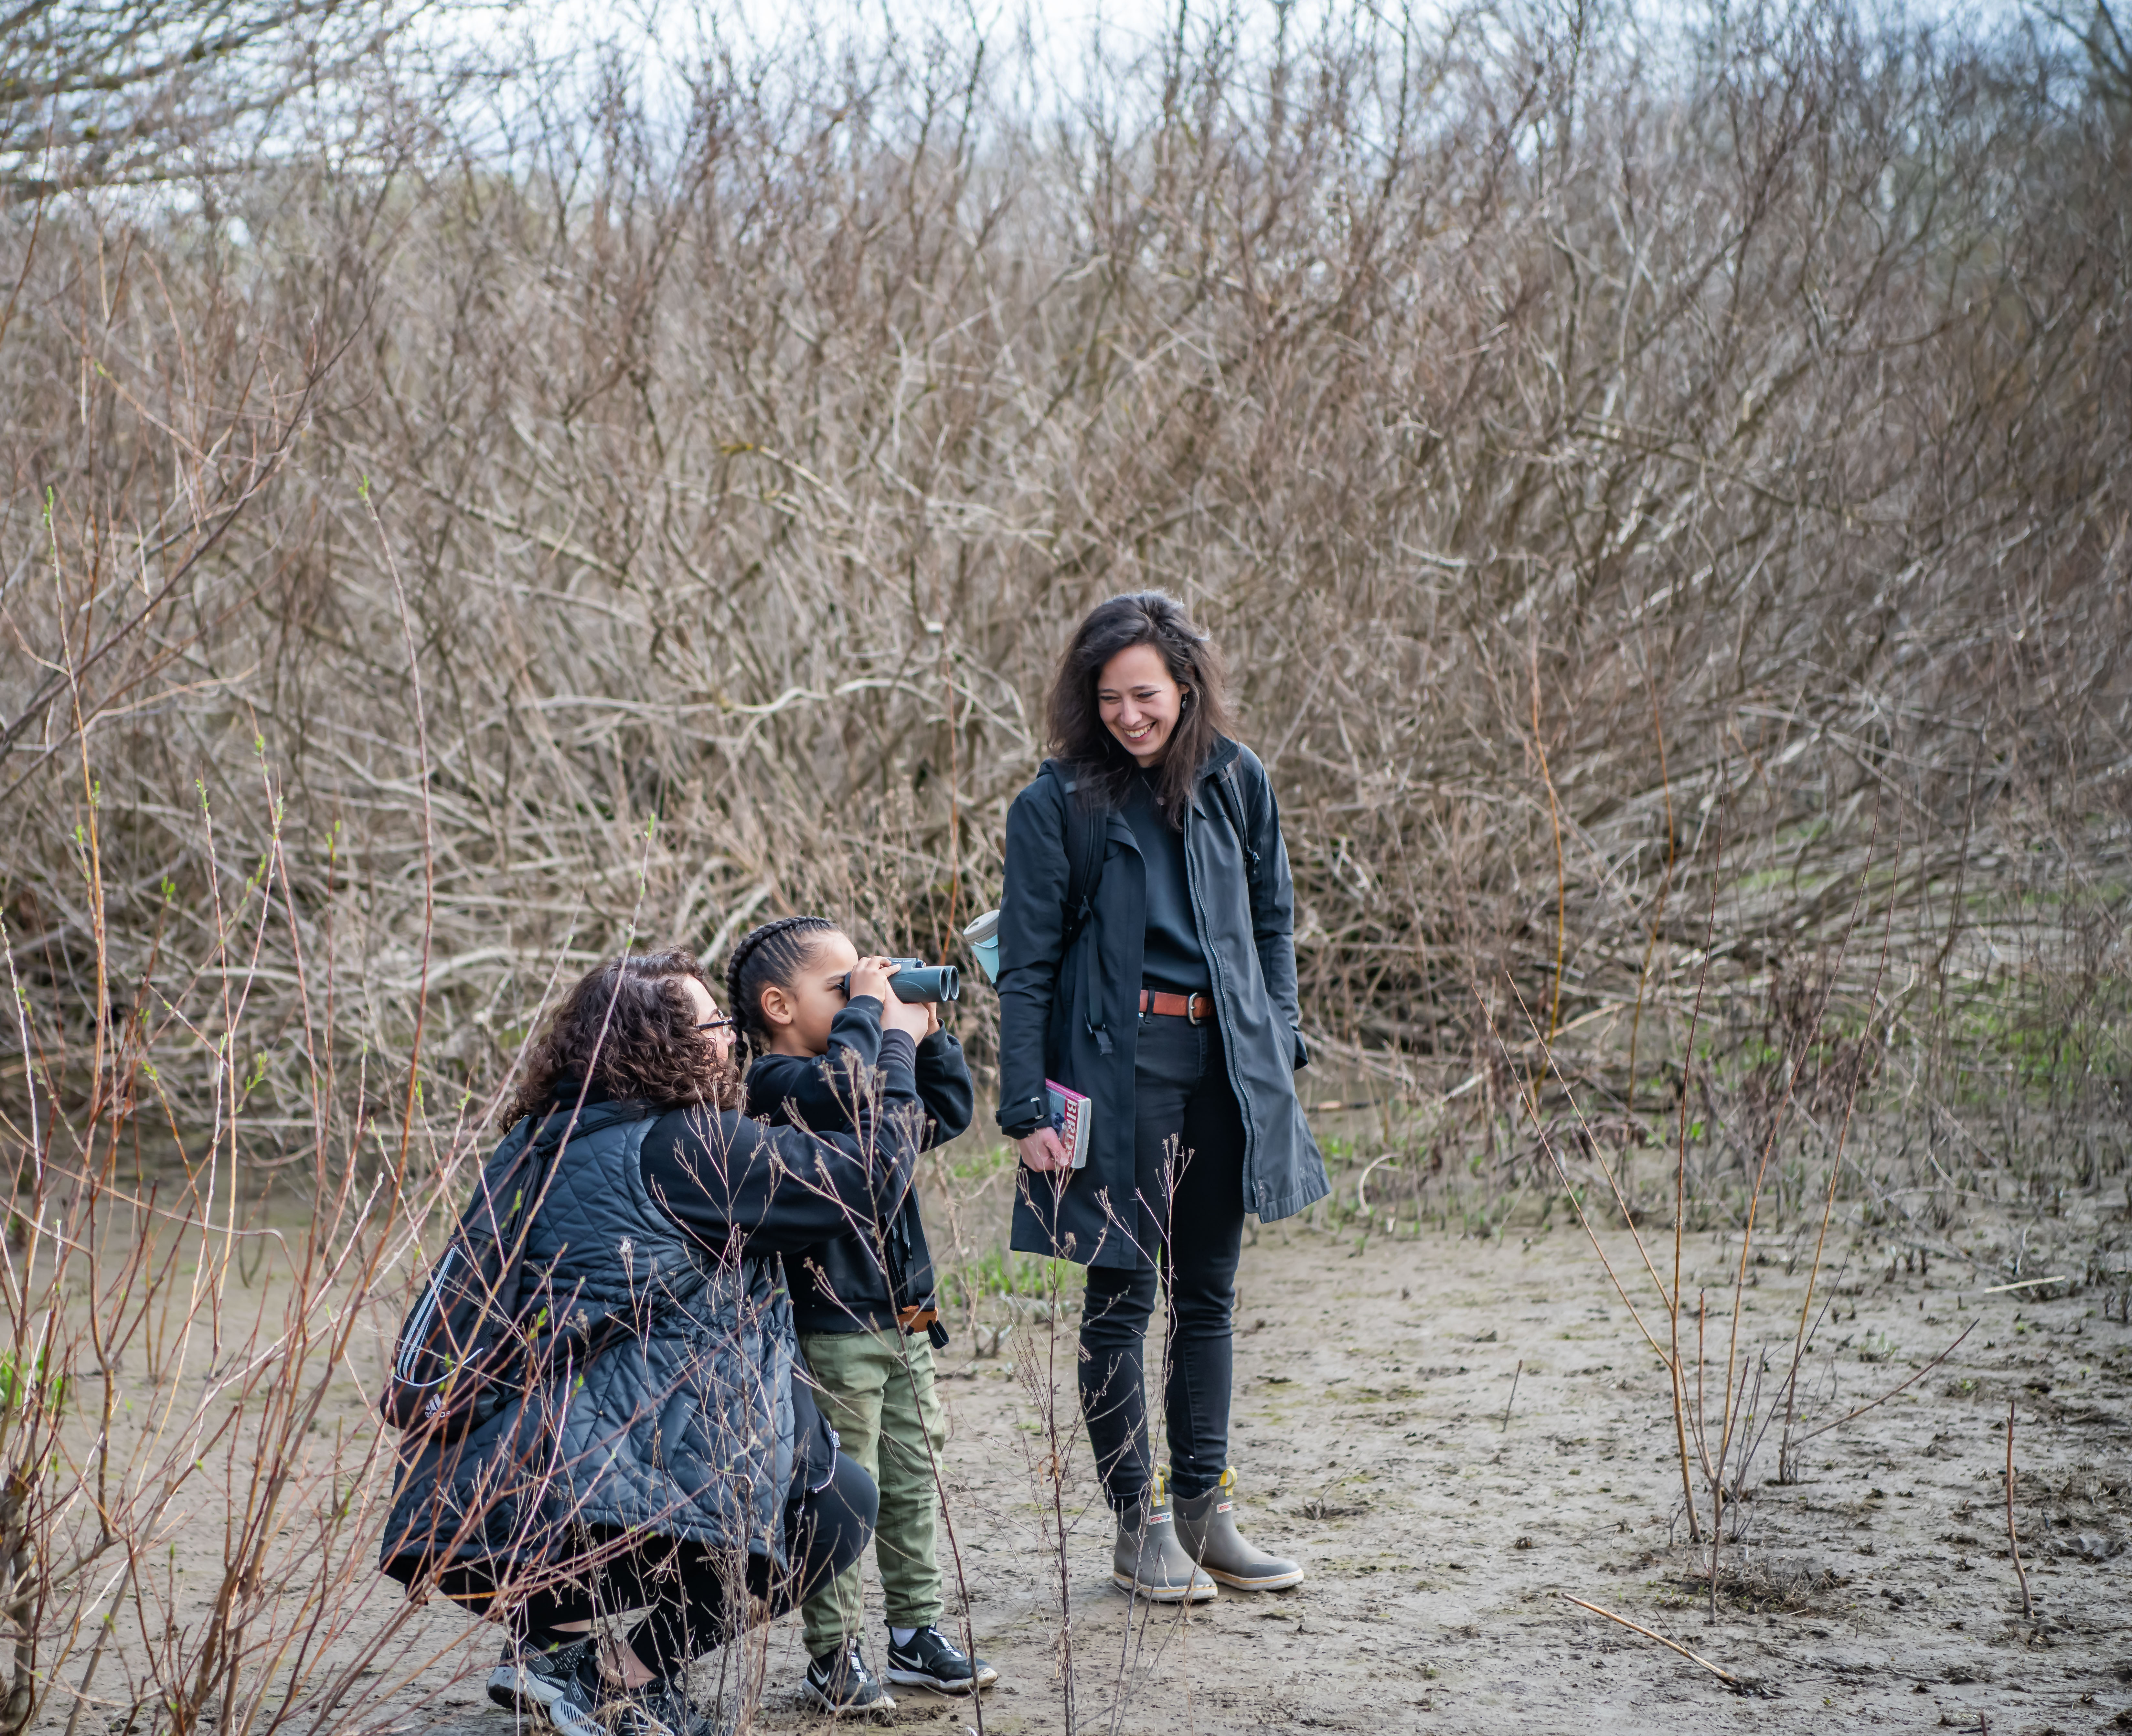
768, 957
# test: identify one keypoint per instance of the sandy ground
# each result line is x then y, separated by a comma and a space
1369, 1438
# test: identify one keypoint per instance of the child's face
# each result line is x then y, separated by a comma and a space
800, 1014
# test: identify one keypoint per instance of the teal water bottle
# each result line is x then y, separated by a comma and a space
983, 937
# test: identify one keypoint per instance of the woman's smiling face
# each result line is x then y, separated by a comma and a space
1138, 702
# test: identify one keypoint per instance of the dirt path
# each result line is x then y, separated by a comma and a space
1370, 1389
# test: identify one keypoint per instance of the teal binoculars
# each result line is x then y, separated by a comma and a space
916, 980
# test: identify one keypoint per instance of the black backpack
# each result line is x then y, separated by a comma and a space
478, 1331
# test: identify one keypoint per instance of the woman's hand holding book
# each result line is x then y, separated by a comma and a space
1043, 1150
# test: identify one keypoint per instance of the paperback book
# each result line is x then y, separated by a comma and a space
1070, 1115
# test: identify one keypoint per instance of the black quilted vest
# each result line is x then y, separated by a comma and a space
668, 1406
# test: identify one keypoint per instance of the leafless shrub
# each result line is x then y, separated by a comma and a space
1760, 1584
139, 94
1665, 501
1505, 401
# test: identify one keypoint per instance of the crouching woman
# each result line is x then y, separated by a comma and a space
665, 1457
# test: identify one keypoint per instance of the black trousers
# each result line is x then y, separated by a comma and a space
1188, 1152
698, 1598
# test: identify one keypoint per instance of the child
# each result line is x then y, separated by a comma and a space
868, 1323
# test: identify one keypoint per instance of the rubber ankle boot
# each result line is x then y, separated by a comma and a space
1147, 1562
1206, 1532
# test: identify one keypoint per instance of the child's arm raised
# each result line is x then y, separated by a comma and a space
820, 1092
778, 1189
944, 1086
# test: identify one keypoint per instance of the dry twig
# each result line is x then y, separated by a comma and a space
1726, 1676
2013, 1538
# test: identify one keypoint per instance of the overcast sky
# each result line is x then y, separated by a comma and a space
1065, 38
1062, 35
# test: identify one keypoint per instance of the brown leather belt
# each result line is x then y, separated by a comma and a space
1193, 1007
917, 1320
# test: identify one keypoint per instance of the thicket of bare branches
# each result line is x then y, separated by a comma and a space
1634, 478
1664, 496
147, 93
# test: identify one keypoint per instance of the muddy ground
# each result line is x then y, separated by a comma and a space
1370, 1436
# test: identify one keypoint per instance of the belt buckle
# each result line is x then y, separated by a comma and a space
1192, 1008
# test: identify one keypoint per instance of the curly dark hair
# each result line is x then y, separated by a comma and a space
1077, 734
770, 955
629, 1024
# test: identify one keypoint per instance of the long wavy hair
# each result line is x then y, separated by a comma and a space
1102, 765
628, 1025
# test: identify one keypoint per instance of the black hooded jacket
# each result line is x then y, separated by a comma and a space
855, 1281
1070, 1000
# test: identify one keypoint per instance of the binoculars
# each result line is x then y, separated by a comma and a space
916, 980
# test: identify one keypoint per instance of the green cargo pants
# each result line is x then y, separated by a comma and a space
884, 1418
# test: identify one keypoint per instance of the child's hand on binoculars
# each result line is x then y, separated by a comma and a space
870, 976
1042, 1151
913, 1016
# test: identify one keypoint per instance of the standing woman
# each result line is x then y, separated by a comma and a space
1147, 960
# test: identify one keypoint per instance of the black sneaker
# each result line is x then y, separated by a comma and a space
576, 1710
934, 1660
527, 1681
840, 1683
588, 1707
660, 1707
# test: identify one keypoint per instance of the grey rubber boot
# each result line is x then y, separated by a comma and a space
1147, 1562
1206, 1532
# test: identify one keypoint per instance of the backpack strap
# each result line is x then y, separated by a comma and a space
1084, 853
1086, 825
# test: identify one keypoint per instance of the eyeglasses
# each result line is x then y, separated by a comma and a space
716, 1025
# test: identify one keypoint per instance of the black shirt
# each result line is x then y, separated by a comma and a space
1172, 958
818, 1090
